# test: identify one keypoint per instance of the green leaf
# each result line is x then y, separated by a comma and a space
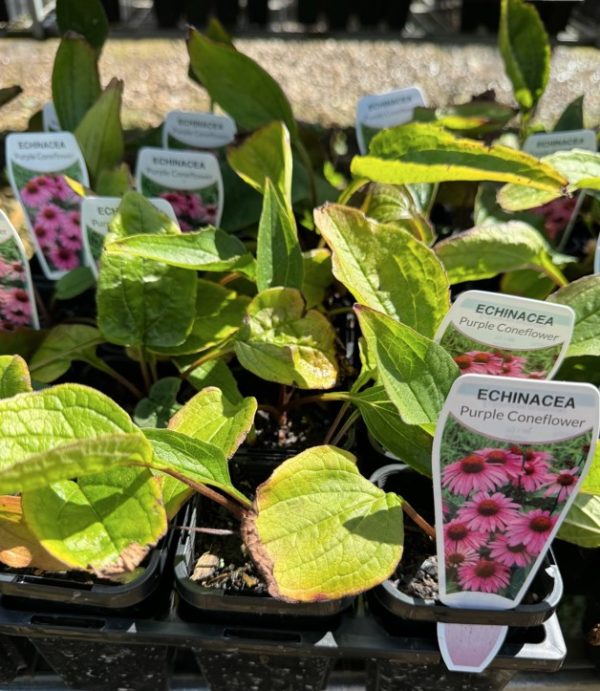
85, 18
584, 297
591, 484
265, 155
323, 540
74, 283
161, 404
209, 416
23, 342
192, 460
212, 373
14, 376
75, 80
317, 275
487, 211
487, 251
416, 372
527, 283
104, 523
219, 314
410, 443
582, 524
8, 93
100, 134
239, 85
475, 118
386, 268
278, 253
426, 153
572, 116
137, 216
580, 168
281, 342
394, 205
525, 49
210, 249
63, 345
114, 183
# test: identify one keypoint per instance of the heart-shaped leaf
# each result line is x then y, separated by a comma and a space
281, 342
317, 275
386, 268
161, 404
14, 376
584, 297
582, 524
321, 531
85, 18
416, 372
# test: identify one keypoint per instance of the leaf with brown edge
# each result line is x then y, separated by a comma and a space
14, 376
320, 531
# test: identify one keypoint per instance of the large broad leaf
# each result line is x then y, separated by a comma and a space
591, 484
281, 342
75, 81
142, 302
580, 168
525, 49
205, 250
114, 183
239, 85
278, 253
410, 443
584, 297
219, 314
23, 342
14, 376
211, 417
426, 153
100, 134
85, 18
265, 155
74, 283
572, 116
212, 373
475, 118
192, 460
395, 205
104, 523
317, 275
489, 250
160, 405
582, 524
386, 268
527, 283
321, 531
416, 372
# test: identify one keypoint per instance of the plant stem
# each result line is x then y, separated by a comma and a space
304, 155
569, 229
334, 425
118, 377
229, 278
144, 370
345, 427
338, 310
271, 409
418, 519
213, 355
231, 505
321, 398
153, 370
207, 531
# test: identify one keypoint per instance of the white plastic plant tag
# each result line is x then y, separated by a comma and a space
17, 298
197, 131
505, 335
190, 181
38, 165
546, 143
50, 121
597, 258
96, 214
509, 456
377, 111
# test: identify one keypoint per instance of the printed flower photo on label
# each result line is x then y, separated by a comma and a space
16, 309
53, 210
501, 502
193, 208
474, 357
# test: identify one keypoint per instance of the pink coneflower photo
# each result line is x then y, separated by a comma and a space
12, 271
458, 536
484, 576
63, 258
37, 192
456, 558
46, 238
64, 192
178, 201
16, 306
533, 473
510, 555
531, 529
562, 484
50, 217
478, 362
488, 512
503, 459
195, 207
472, 473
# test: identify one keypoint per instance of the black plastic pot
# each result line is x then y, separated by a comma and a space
260, 619
12, 659
396, 13
257, 12
369, 13
64, 604
307, 11
486, 13
337, 13
168, 13
197, 12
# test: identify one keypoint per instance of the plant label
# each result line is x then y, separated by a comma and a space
378, 111
597, 258
505, 335
39, 166
509, 457
199, 131
96, 215
50, 121
190, 181
546, 143
17, 298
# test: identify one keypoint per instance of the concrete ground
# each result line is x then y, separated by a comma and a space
323, 77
